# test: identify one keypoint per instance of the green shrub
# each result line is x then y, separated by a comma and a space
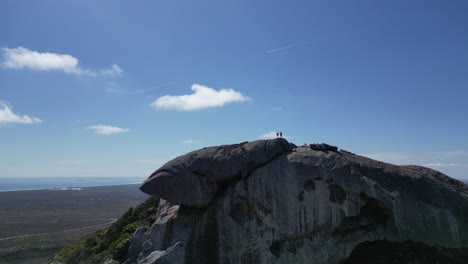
113, 241
121, 249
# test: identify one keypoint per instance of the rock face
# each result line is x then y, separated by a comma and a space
194, 178
272, 202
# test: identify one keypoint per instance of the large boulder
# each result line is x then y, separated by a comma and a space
272, 202
194, 178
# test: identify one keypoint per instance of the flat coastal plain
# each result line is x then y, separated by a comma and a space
35, 225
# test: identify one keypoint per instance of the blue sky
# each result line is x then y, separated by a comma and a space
116, 88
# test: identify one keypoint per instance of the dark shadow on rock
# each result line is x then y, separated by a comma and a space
385, 252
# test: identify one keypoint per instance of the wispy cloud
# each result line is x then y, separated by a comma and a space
277, 108
203, 97
189, 141
452, 163
152, 161
288, 47
114, 88
444, 165
107, 130
8, 117
23, 58
113, 71
270, 135
405, 158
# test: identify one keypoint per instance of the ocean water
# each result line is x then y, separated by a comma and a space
17, 184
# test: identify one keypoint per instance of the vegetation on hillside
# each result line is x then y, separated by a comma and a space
112, 242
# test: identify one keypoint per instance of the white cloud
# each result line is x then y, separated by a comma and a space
189, 141
107, 130
23, 58
270, 135
444, 165
113, 90
203, 97
7, 116
112, 71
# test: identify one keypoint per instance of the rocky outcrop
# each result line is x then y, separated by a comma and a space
272, 202
194, 178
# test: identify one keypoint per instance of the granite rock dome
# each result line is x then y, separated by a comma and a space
270, 201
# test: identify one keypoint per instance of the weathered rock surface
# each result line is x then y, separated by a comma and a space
272, 202
194, 178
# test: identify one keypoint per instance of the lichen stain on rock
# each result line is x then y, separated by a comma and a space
252, 257
300, 196
241, 210
276, 248
262, 208
337, 193
363, 196
373, 210
290, 244
309, 185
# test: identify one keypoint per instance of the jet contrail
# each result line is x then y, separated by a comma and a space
142, 91
159, 86
288, 47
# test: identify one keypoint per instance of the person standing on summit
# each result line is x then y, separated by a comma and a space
281, 134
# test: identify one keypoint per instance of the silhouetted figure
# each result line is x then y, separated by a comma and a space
277, 134
281, 134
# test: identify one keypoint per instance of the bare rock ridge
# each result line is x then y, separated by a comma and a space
194, 178
273, 202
